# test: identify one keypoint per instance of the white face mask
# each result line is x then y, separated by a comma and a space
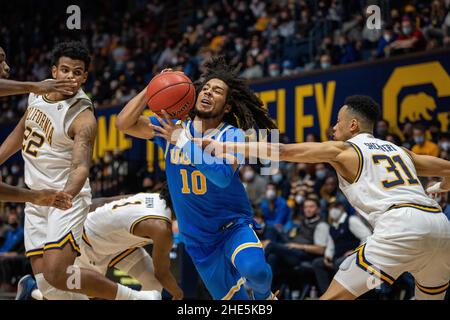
438, 199
271, 194
248, 175
298, 199
335, 213
445, 145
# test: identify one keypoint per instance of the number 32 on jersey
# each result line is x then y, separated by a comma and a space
32, 141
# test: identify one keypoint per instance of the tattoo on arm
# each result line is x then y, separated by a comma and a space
81, 157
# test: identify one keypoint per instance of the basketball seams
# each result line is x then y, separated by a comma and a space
164, 88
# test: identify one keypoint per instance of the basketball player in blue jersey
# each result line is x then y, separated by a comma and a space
214, 215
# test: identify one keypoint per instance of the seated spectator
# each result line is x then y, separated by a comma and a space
444, 146
307, 241
14, 235
254, 184
330, 192
382, 129
252, 69
410, 40
435, 130
422, 144
389, 36
267, 233
275, 209
346, 233
325, 61
347, 50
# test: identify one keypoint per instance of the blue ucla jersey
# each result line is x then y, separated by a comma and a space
201, 207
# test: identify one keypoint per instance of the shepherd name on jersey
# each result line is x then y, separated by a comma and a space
386, 177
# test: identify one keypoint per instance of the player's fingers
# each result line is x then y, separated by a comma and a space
157, 129
64, 91
160, 120
167, 117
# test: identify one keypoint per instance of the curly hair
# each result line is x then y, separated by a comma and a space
72, 49
164, 194
247, 109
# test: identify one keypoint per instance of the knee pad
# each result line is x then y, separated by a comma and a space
51, 293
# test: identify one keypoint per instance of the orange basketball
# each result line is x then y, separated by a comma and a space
172, 91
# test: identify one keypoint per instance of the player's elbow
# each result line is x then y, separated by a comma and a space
120, 123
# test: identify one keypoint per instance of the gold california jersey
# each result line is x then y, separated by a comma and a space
109, 229
386, 178
47, 147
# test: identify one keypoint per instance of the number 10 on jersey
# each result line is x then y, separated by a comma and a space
194, 182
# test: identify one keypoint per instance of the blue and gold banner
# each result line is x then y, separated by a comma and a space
408, 88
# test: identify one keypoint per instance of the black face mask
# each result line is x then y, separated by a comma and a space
302, 173
14, 225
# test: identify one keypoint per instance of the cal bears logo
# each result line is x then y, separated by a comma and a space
419, 105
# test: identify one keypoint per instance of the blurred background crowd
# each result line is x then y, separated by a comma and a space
132, 40
308, 227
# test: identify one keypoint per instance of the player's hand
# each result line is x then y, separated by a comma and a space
438, 188
169, 130
52, 198
65, 87
327, 262
178, 295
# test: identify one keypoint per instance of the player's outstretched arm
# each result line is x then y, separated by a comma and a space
84, 131
13, 142
131, 121
429, 166
48, 198
161, 234
308, 152
11, 87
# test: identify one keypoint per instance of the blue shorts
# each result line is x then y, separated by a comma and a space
215, 264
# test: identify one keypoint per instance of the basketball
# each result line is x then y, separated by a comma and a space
171, 91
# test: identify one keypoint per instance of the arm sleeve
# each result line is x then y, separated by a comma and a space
216, 170
321, 234
358, 228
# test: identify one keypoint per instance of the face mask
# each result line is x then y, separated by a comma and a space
274, 73
14, 170
325, 65
438, 199
406, 30
277, 177
238, 47
387, 37
271, 194
445, 145
248, 175
335, 213
419, 140
299, 199
321, 174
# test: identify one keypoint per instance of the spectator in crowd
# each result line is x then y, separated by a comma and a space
382, 129
444, 145
325, 61
389, 36
275, 209
254, 184
347, 50
267, 233
346, 233
328, 192
14, 235
306, 241
411, 39
422, 144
